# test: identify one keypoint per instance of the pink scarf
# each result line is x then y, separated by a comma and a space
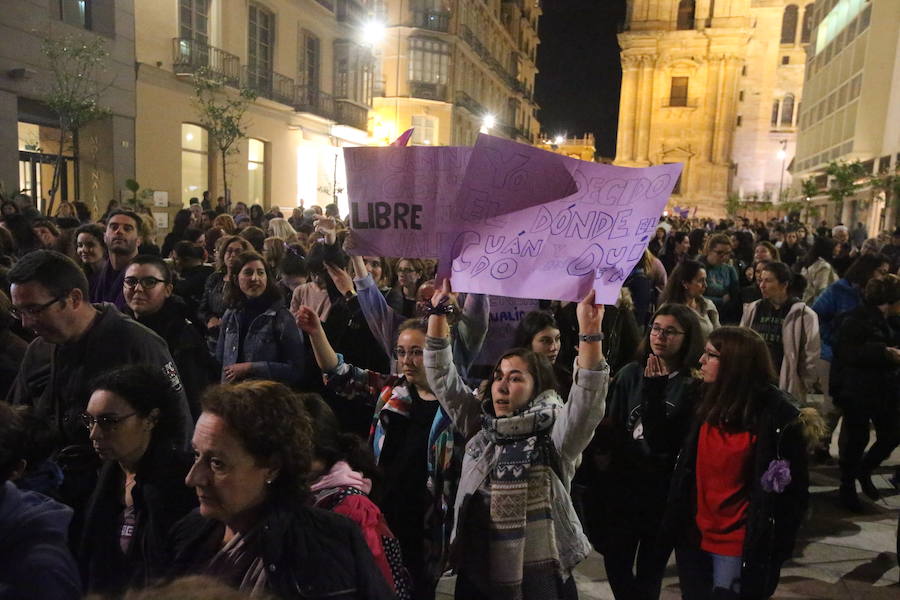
341, 475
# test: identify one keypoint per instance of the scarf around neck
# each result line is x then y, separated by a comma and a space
524, 558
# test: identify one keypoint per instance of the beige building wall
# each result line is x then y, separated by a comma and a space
488, 50
303, 133
852, 101
729, 55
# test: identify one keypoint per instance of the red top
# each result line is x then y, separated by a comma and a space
724, 469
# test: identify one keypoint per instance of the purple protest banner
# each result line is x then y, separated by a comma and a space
399, 195
558, 249
503, 319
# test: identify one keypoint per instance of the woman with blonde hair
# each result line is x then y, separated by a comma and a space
226, 223
273, 251
281, 228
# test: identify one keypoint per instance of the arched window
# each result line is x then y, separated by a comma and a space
775, 107
686, 14
807, 23
789, 24
787, 111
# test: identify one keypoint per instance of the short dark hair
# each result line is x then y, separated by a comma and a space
145, 388
883, 291
53, 270
93, 230
255, 236
138, 221
185, 250
862, 269
272, 424
155, 261
531, 324
781, 271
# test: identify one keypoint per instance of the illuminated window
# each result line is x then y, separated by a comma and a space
194, 162
425, 130
256, 171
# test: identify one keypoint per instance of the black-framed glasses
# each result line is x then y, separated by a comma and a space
402, 353
148, 283
32, 311
106, 422
664, 332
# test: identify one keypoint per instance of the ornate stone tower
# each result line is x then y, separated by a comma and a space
690, 70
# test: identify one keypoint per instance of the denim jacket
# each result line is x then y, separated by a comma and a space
273, 345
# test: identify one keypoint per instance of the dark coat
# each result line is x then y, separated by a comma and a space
190, 286
212, 304
773, 519
196, 366
160, 499
308, 553
862, 375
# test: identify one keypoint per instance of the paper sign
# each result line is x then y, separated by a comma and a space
399, 195
162, 220
555, 249
504, 318
160, 199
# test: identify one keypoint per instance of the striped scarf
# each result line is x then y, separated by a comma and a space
524, 558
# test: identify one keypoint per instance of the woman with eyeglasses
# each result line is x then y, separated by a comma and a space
722, 282
212, 306
258, 338
135, 428
632, 455
410, 274
406, 413
686, 286
148, 290
740, 486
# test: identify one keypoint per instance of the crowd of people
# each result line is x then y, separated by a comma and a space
249, 407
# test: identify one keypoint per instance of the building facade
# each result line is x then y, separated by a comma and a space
452, 68
101, 157
851, 110
310, 67
713, 85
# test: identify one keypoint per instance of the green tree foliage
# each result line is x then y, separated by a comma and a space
221, 112
845, 181
889, 183
75, 64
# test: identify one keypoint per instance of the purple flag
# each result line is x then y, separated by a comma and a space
403, 140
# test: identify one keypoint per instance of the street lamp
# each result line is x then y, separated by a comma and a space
373, 32
558, 140
782, 154
487, 122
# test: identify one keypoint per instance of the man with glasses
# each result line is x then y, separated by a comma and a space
75, 341
122, 237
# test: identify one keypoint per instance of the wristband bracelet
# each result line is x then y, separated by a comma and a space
591, 337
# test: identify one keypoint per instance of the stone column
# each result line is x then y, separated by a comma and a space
713, 100
628, 100
645, 107
727, 114
9, 142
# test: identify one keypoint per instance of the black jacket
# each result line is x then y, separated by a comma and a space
160, 499
190, 287
196, 366
773, 519
308, 553
861, 373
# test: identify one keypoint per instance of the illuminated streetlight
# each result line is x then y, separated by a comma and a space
558, 140
487, 123
373, 32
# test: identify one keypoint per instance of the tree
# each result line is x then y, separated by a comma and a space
809, 188
222, 114
889, 183
844, 182
75, 64
732, 205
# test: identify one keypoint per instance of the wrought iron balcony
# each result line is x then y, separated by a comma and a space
348, 113
312, 100
434, 20
466, 101
269, 84
428, 91
191, 56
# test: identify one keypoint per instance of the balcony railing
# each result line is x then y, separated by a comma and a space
466, 101
435, 20
191, 56
269, 84
312, 100
428, 90
350, 10
348, 113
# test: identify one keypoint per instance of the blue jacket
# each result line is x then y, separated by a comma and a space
273, 344
839, 297
34, 559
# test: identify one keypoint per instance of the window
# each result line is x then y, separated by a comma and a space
261, 44
686, 14
75, 12
740, 120
787, 111
256, 171
309, 54
194, 162
785, 60
425, 130
789, 24
678, 94
353, 72
775, 106
743, 70
429, 60
741, 96
807, 23
194, 20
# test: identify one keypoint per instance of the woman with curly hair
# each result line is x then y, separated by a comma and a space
253, 453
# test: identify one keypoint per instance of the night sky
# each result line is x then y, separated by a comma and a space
580, 73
